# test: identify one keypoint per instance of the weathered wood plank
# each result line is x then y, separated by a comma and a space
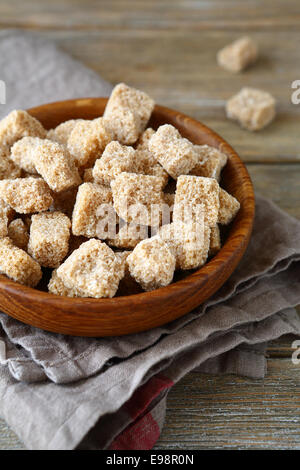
157, 14
179, 70
210, 412
279, 183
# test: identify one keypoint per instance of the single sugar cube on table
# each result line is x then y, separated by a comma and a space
152, 263
18, 233
18, 124
49, 238
229, 207
94, 214
210, 162
87, 141
138, 198
26, 195
127, 113
7, 167
238, 55
254, 109
18, 265
62, 132
93, 270
176, 154
115, 159
194, 192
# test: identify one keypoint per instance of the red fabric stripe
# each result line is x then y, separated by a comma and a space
144, 431
145, 394
141, 435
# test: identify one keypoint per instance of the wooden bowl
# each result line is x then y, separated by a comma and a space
134, 313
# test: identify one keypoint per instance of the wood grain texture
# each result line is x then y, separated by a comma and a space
158, 14
213, 412
199, 88
152, 45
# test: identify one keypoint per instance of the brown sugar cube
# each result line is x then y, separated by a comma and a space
127, 113
87, 141
54, 163
253, 109
176, 154
189, 242
93, 270
18, 265
18, 233
143, 143
147, 163
238, 55
152, 263
62, 132
50, 159
64, 201
7, 168
93, 214
26, 195
88, 175
57, 287
129, 236
19, 124
156, 170
6, 215
191, 193
22, 153
115, 159
210, 162
138, 198
229, 207
49, 238
215, 241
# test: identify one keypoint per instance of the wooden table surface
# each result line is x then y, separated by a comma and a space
168, 49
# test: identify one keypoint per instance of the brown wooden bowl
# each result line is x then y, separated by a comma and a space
134, 313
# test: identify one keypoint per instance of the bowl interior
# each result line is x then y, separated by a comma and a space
133, 313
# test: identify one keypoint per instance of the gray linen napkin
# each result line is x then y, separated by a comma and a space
59, 392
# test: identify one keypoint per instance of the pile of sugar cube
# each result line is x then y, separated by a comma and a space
103, 203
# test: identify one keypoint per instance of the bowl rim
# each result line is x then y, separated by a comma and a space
216, 264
